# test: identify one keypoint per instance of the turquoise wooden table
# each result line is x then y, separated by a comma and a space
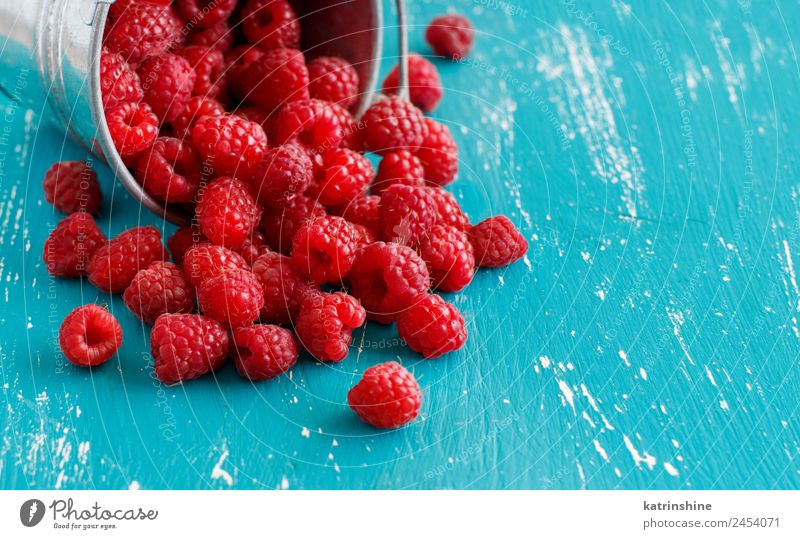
650, 339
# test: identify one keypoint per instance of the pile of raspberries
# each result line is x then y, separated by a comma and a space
296, 241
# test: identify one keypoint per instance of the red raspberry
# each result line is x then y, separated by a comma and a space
205, 260
182, 240
187, 346
227, 213
406, 213
393, 124
197, 107
284, 290
160, 288
310, 122
89, 336
364, 235
438, 154
71, 245
424, 84
282, 224
71, 186
219, 36
262, 352
205, 13
209, 64
401, 167
238, 60
448, 254
363, 211
285, 172
167, 81
278, 77
229, 144
169, 170
450, 36
253, 247
118, 82
324, 248
344, 175
115, 264
234, 298
387, 277
116, 9
448, 210
326, 322
351, 130
133, 127
270, 24
497, 242
386, 397
333, 79
143, 30
259, 116
432, 327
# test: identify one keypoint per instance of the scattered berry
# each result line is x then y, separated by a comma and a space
344, 175
406, 213
309, 122
169, 170
160, 288
115, 264
432, 327
205, 13
227, 213
89, 336
229, 144
448, 254
133, 127
424, 84
284, 289
119, 84
72, 186
285, 172
324, 248
393, 124
497, 242
448, 210
401, 167
386, 397
262, 352
277, 77
167, 81
270, 24
450, 36
143, 30
326, 322
71, 245
333, 79
281, 225
438, 154
187, 346
204, 260
233, 297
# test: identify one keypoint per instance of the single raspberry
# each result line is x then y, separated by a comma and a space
448, 254
393, 124
497, 242
187, 346
219, 36
450, 36
326, 322
204, 260
133, 127
182, 240
169, 170
143, 30
448, 210
387, 278
119, 83
311, 123
209, 64
285, 172
238, 60
205, 13
72, 186
324, 248
270, 24
167, 81
424, 84
253, 247
363, 211
281, 225
227, 213
71, 245
333, 79
406, 213
432, 327
115, 264
262, 352
234, 297
401, 167
343, 176
284, 289
197, 107
386, 397
351, 130
160, 288
438, 154
278, 77
89, 336
116, 9
229, 144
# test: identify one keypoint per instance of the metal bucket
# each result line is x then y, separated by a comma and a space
52, 53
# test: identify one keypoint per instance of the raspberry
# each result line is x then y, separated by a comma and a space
284, 173
281, 225
448, 254
278, 77
116, 9
227, 213
160, 288
432, 327
401, 167
182, 240
209, 64
333, 79
167, 81
424, 84
362, 210
143, 30
233, 298
326, 322
89, 336
270, 24
324, 248
497, 242
351, 134
393, 124
219, 36
257, 115
119, 83
387, 277
310, 122
386, 397
133, 127
253, 247
438, 154
186, 346
229, 144
115, 264
284, 290
169, 170
450, 36
71, 245
344, 175
364, 236
262, 352
197, 107
205, 260
406, 213
238, 60
71, 186
205, 13
448, 210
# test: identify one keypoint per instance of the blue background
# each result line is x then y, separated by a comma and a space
649, 339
